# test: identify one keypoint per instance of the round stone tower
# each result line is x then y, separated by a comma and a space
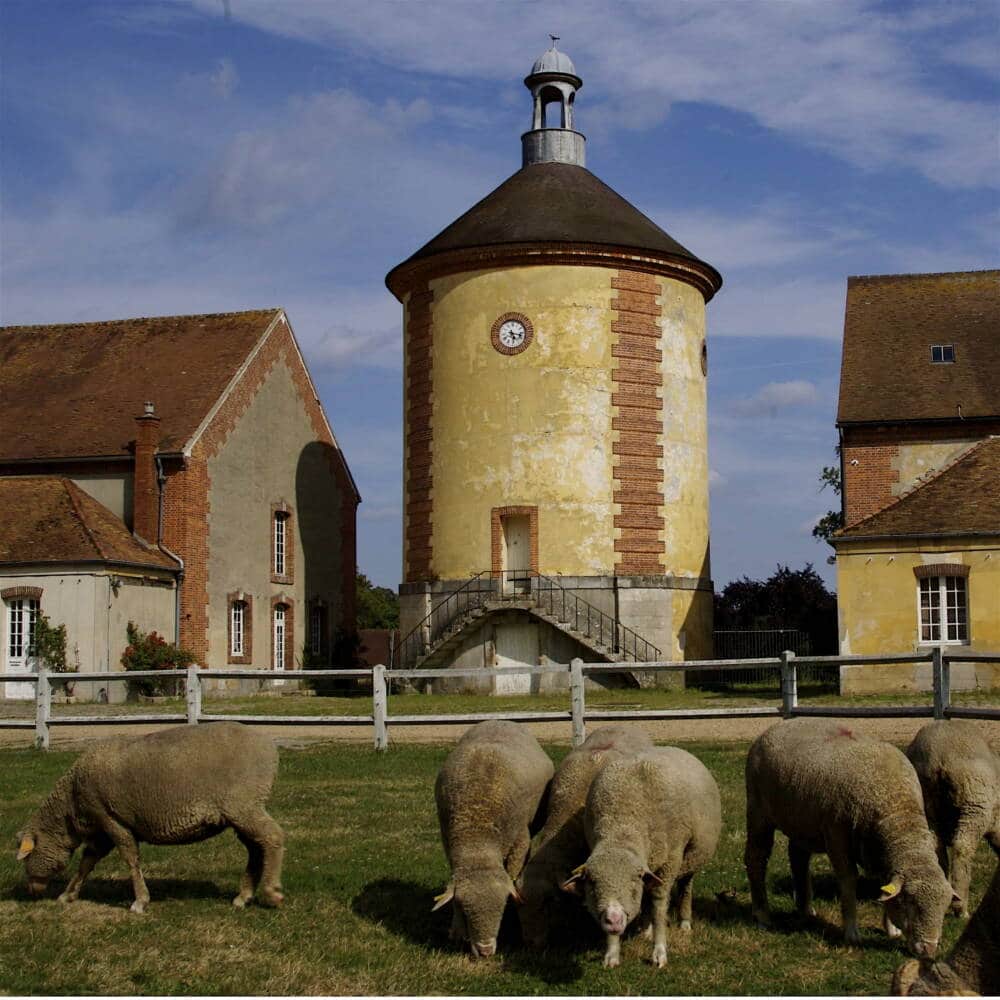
555, 454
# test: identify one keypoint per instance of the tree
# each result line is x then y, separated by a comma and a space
791, 599
378, 607
832, 520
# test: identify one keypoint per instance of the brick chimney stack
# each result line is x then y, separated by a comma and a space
145, 492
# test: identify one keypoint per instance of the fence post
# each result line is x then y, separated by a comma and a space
380, 704
577, 700
789, 684
43, 708
192, 692
942, 682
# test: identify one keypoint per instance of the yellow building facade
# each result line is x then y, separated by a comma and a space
555, 414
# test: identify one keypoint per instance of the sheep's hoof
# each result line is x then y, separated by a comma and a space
685, 925
66, 898
612, 961
852, 935
138, 907
240, 902
660, 956
271, 897
893, 931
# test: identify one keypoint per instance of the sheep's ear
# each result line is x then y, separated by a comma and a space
956, 899
27, 846
891, 889
573, 883
446, 897
650, 879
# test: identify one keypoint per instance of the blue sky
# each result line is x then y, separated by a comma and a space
214, 155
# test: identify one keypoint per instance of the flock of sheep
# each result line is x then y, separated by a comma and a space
621, 822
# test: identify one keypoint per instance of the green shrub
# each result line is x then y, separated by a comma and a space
150, 651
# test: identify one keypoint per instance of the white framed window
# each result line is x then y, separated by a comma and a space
316, 630
942, 354
279, 638
237, 625
280, 542
22, 616
944, 614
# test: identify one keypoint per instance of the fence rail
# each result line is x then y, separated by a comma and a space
577, 715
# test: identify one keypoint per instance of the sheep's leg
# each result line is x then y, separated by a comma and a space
613, 951
660, 895
798, 858
251, 877
847, 879
263, 831
760, 843
128, 848
963, 847
93, 852
684, 895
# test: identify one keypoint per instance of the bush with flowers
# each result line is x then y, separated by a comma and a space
150, 651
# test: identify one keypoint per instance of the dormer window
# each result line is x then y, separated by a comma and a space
943, 354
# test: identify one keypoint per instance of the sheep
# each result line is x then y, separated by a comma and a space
858, 801
175, 786
562, 843
960, 778
653, 819
973, 966
488, 793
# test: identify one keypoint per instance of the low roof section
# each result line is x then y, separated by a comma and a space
890, 325
961, 500
74, 390
49, 519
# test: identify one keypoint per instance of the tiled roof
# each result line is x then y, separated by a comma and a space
962, 499
890, 325
49, 519
75, 389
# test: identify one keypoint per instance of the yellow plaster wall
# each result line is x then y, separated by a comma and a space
533, 428
685, 431
878, 608
692, 617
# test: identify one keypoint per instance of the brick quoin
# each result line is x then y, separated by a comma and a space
419, 487
637, 420
497, 514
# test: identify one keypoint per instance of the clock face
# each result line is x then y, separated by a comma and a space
511, 333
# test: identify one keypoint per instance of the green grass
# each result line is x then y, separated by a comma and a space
363, 863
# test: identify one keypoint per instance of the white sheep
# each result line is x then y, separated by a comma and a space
488, 793
858, 801
176, 786
960, 778
652, 821
562, 844
973, 965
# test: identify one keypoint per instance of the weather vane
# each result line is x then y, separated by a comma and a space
555, 38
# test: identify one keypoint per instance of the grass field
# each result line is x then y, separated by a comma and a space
363, 863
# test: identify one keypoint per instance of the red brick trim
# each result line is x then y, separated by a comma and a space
869, 477
497, 514
637, 417
247, 599
285, 511
289, 605
940, 569
12, 593
418, 551
529, 333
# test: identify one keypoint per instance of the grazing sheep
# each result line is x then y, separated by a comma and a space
858, 801
960, 778
176, 786
652, 820
562, 844
488, 792
973, 965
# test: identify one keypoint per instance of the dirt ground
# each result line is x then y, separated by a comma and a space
734, 730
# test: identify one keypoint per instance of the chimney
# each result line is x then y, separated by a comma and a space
145, 491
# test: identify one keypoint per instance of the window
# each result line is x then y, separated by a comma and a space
943, 354
944, 609
22, 616
316, 630
278, 646
279, 543
282, 543
238, 617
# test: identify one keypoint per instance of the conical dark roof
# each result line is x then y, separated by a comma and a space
555, 203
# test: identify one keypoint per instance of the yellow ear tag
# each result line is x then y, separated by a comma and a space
441, 896
27, 846
891, 888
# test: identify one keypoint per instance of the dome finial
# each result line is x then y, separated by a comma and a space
553, 81
555, 38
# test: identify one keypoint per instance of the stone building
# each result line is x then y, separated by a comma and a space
555, 471
178, 472
918, 560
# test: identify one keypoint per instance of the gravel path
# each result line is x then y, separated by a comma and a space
734, 730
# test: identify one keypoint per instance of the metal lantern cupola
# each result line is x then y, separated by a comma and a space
553, 81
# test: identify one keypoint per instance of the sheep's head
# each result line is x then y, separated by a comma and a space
916, 904
480, 897
44, 857
612, 882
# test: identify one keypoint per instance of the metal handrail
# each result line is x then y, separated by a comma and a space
512, 585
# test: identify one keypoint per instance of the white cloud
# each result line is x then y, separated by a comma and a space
774, 397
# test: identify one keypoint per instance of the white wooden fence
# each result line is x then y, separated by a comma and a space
577, 715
